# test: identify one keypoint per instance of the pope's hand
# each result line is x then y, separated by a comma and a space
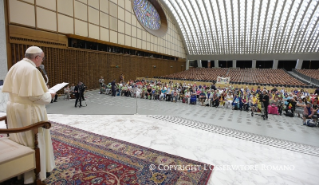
52, 95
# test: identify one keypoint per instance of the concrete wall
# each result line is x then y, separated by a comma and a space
107, 20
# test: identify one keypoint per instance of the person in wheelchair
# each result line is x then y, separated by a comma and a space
291, 106
202, 97
237, 103
245, 102
108, 89
253, 104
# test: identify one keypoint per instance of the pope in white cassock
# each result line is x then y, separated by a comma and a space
28, 96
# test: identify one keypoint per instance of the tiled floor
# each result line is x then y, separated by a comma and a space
280, 127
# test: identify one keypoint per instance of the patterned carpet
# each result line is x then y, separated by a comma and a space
87, 158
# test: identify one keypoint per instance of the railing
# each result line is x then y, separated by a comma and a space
311, 80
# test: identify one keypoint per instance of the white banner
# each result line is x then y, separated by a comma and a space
222, 80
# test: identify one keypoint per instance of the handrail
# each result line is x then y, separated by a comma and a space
312, 80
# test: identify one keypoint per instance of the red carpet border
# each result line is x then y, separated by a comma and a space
83, 157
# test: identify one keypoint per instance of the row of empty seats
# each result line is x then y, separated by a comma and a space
206, 74
262, 76
313, 73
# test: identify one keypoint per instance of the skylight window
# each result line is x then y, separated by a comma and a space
247, 26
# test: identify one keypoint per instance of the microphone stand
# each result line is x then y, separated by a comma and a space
44, 72
46, 76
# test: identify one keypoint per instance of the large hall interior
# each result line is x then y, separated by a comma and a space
158, 92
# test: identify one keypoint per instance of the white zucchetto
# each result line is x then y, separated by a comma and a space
33, 50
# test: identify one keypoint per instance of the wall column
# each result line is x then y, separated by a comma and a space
216, 63
3, 44
234, 63
209, 64
199, 63
275, 64
299, 64
187, 64
253, 64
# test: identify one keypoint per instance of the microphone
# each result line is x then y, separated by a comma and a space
44, 72
42, 69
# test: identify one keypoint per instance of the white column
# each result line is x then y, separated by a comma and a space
187, 64
275, 64
3, 43
199, 63
253, 64
299, 64
234, 64
216, 63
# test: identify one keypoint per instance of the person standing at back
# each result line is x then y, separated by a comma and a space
78, 91
101, 82
113, 87
28, 97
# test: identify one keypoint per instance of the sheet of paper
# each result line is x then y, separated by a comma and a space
57, 87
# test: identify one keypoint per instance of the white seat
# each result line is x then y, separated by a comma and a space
15, 159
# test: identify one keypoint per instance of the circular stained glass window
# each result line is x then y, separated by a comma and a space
147, 14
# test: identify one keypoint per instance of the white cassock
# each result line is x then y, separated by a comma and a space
28, 95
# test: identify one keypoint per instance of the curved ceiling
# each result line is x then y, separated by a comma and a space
218, 27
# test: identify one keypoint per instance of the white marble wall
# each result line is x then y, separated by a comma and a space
3, 49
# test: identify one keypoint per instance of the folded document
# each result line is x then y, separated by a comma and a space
57, 87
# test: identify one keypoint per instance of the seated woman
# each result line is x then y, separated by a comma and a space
202, 97
222, 98
175, 95
67, 92
187, 96
123, 91
154, 93
208, 98
253, 103
215, 100
149, 93
163, 92
181, 94
72, 94
169, 94
144, 90
229, 99
138, 92
300, 106
198, 93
